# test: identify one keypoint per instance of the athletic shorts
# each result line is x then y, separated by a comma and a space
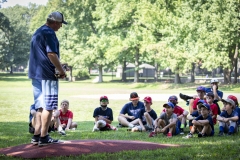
45, 94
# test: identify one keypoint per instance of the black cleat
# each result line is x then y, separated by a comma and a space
185, 97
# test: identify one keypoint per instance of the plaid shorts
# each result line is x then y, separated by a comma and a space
45, 94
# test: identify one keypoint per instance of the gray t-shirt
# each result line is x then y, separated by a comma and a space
166, 118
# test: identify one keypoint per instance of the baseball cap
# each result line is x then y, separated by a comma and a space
200, 88
210, 94
170, 104
230, 101
103, 97
148, 99
201, 101
134, 96
232, 97
65, 101
204, 105
173, 98
57, 16
214, 80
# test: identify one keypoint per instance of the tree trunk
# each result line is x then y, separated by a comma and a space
156, 71
192, 73
235, 64
136, 74
227, 76
11, 70
177, 79
124, 74
100, 76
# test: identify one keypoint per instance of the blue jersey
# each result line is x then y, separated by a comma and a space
195, 114
44, 40
152, 113
108, 114
131, 110
209, 118
220, 93
226, 115
237, 109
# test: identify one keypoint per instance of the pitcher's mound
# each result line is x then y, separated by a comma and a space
79, 147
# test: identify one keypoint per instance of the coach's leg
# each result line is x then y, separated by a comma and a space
46, 120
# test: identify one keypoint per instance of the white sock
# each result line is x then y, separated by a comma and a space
60, 128
130, 125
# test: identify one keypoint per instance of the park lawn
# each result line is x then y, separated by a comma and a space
16, 98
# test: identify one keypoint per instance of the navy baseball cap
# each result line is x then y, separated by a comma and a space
173, 98
205, 105
201, 88
201, 101
168, 104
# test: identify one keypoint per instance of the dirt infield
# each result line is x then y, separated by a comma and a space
79, 147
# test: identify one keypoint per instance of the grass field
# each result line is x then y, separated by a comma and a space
16, 98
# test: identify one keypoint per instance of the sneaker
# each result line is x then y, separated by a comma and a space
220, 133
35, 140
189, 135
229, 134
47, 140
169, 135
119, 126
62, 132
152, 134
185, 97
129, 129
201, 135
31, 129
95, 129
181, 131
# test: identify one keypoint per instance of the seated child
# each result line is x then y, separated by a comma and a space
32, 115
213, 106
166, 123
203, 123
103, 116
228, 118
66, 116
195, 114
180, 112
147, 116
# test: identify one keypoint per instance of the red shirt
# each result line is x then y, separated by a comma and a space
64, 117
195, 103
177, 110
214, 111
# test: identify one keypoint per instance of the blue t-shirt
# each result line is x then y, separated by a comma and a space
152, 113
226, 115
108, 114
237, 109
220, 93
44, 40
195, 114
209, 118
131, 110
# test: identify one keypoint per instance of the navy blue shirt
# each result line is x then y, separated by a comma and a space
237, 109
209, 118
44, 40
226, 115
108, 114
195, 114
152, 113
131, 110
220, 93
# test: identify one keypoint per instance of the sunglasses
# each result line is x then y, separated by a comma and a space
104, 100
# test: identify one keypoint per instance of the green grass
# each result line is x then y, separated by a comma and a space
16, 98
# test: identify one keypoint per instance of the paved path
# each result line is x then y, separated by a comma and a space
155, 97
